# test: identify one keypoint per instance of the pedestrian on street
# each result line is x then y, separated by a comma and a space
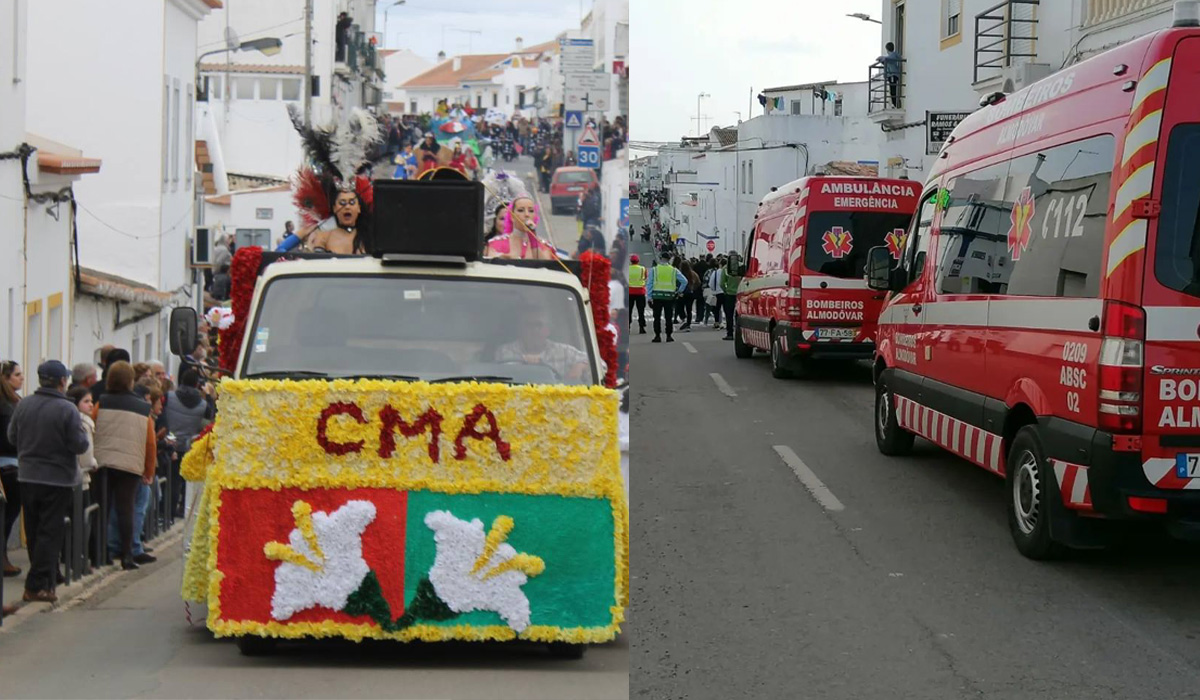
891, 72
49, 436
690, 294
82, 398
85, 375
665, 286
187, 414
125, 447
712, 295
731, 277
11, 381
637, 293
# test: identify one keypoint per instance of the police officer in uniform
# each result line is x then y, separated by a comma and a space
666, 284
637, 293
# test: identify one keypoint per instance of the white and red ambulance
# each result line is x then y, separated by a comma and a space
1044, 319
803, 296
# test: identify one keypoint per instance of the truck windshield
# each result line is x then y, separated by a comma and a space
837, 241
428, 328
1177, 256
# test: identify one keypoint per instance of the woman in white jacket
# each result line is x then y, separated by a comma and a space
82, 399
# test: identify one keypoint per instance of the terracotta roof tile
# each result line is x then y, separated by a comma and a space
214, 4
66, 165
444, 75
251, 68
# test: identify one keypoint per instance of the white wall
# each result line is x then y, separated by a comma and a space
241, 212
13, 73
400, 67
121, 74
256, 136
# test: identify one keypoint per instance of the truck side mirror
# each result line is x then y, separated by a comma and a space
183, 331
879, 269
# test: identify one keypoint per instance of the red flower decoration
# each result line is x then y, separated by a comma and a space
595, 274
244, 272
338, 409
392, 420
470, 430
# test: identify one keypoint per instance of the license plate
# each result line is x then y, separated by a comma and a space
837, 333
1187, 466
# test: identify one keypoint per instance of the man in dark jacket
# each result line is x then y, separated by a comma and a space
187, 412
49, 435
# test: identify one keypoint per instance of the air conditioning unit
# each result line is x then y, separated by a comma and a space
202, 247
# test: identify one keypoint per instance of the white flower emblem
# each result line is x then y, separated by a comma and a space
322, 562
474, 571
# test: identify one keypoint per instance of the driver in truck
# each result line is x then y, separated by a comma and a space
534, 347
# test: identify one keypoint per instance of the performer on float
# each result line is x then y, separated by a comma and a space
520, 240
333, 192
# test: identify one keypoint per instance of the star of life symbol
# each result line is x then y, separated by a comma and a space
895, 242
837, 243
1022, 224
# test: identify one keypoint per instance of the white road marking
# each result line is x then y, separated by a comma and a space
723, 385
818, 490
690, 348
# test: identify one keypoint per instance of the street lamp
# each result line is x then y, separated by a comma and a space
267, 46
698, 97
864, 17
385, 21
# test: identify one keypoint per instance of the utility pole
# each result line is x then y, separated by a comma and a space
308, 67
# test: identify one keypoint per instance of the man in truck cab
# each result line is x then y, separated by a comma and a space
534, 347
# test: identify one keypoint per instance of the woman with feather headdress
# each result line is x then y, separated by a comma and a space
333, 190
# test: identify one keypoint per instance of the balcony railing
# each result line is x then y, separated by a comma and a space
1005, 35
884, 95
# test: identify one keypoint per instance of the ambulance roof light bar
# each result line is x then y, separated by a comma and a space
1187, 13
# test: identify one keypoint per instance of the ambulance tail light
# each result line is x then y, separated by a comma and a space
793, 307
1121, 366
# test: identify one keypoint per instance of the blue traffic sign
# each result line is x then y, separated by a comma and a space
589, 157
624, 213
574, 120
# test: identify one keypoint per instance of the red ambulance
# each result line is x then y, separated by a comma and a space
1044, 319
804, 296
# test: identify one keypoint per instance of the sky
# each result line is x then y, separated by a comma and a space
680, 48
427, 26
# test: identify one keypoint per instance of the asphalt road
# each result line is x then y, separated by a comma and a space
132, 640
750, 581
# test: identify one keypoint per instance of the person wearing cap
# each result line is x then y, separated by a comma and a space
49, 436
637, 293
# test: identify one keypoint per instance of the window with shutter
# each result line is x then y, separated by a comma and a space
951, 18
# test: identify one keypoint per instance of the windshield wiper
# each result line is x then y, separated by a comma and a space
473, 378
286, 374
396, 377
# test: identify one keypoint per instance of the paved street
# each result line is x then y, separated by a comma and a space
132, 640
749, 584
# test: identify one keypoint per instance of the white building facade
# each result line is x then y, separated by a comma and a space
957, 51
129, 106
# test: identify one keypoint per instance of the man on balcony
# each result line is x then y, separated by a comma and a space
891, 72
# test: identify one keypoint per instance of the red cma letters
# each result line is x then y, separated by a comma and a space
430, 420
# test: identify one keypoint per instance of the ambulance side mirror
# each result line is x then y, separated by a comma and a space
879, 269
184, 331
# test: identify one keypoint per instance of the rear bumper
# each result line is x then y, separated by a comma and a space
1114, 477
567, 201
816, 349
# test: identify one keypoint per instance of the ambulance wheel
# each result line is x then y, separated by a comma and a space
253, 645
780, 363
1030, 489
740, 349
563, 650
891, 439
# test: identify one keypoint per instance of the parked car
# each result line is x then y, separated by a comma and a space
566, 185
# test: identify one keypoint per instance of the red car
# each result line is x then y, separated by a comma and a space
567, 185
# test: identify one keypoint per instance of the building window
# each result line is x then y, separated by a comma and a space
190, 142
243, 88
479, 102
166, 133
837, 106
495, 99
412, 107
750, 179
135, 350
951, 18
176, 124
743, 187
796, 106
291, 89
268, 88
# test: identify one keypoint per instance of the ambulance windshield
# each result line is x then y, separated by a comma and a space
1177, 260
838, 241
427, 328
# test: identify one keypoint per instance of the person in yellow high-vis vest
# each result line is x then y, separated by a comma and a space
665, 285
637, 293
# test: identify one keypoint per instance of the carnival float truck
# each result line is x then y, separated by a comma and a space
412, 445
